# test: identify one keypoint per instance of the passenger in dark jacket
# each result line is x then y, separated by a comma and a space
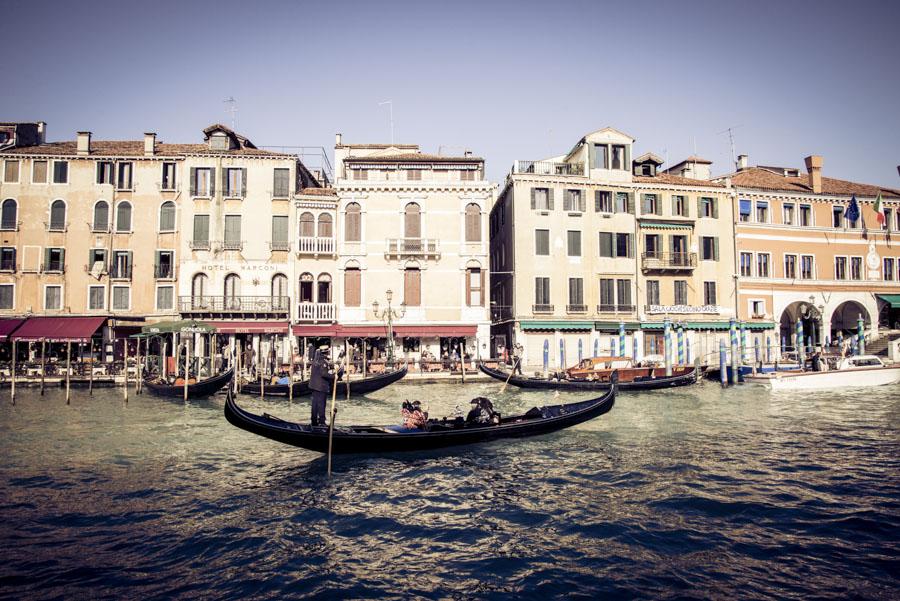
321, 377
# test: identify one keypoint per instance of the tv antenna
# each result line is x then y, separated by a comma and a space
232, 108
390, 104
730, 132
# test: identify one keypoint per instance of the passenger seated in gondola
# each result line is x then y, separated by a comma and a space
413, 416
482, 413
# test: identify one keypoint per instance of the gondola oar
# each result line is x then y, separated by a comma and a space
511, 372
331, 421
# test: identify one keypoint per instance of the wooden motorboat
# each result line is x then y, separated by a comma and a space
851, 372
197, 390
437, 434
363, 386
635, 378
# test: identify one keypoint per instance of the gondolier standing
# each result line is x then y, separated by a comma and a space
517, 358
320, 382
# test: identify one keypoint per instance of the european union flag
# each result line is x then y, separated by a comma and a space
852, 212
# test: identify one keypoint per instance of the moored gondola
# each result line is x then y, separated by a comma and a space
363, 386
437, 434
197, 390
680, 377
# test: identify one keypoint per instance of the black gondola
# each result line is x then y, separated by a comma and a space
198, 390
440, 433
652, 383
301, 388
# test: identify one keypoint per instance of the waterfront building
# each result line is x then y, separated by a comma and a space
587, 242
800, 255
411, 223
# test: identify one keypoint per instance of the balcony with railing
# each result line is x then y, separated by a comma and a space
316, 312
660, 261
199, 244
242, 306
120, 272
548, 168
576, 309
232, 245
164, 271
315, 245
53, 267
421, 248
541, 308
615, 308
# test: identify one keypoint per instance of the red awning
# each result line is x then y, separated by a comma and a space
373, 331
8, 326
249, 327
427, 331
59, 329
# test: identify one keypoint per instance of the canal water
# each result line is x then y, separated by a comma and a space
685, 493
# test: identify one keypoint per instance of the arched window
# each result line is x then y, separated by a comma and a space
232, 291
353, 229
306, 288
10, 215
123, 217
101, 216
167, 216
198, 290
473, 223
323, 290
307, 225
58, 216
279, 291
412, 221
325, 230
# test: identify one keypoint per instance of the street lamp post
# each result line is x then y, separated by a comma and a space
388, 315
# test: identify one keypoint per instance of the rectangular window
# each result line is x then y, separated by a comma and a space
165, 298
7, 259
746, 264
787, 213
54, 260
888, 219
576, 294
744, 210
281, 184
232, 232
11, 171
280, 232
574, 243
542, 291
709, 248
202, 182
121, 264
52, 298
805, 215
414, 175
623, 295
807, 267
360, 174
607, 295
467, 175
623, 245
168, 177
165, 264
60, 172
679, 205
39, 172
651, 245
681, 292
121, 298
790, 267
97, 261
888, 270
412, 287
96, 298
606, 244
762, 211
757, 308
708, 207
474, 284
709, 293
235, 182
124, 176
762, 265
573, 201
650, 204
352, 287
856, 268
623, 203
601, 158
105, 170
201, 231
540, 199
603, 201
837, 216
7, 295
840, 268
618, 157
652, 292
542, 243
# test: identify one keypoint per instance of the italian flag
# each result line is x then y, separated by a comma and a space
879, 211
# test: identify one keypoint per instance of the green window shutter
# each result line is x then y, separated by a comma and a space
550, 198
592, 157
631, 202
716, 248
46, 258
699, 207
715, 207
533, 199
212, 181
596, 201
630, 246
674, 206
193, 181
645, 204
62, 258
243, 182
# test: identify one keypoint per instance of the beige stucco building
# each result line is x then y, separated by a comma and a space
587, 241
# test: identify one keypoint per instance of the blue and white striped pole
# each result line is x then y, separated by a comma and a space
801, 351
744, 346
756, 350
768, 349
680, 344
667, 343
732, 331
723, 366
861, 333
621, 338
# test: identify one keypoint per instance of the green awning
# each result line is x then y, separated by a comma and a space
719, 326
707, 325
613, 326
182, 326
660, 225
556, 325
760, 325
891, 299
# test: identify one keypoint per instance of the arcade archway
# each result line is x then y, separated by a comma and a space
811, 319
845, 316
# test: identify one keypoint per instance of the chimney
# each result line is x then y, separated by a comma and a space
814, 167
743, 162
83, 143
149, 143
42, 131
467, 153
337, 139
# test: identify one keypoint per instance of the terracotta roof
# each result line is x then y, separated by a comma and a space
378, 146
318, 192
675, 180
762, 179
412, 157
136, 148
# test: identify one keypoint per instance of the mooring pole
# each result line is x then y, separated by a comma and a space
347, 363
91, 368
125, 365
68, 367
12, 389
723, 366
187, 364
43, 364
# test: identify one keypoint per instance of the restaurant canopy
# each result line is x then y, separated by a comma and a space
59, 329
249, 327
380, 331
181, 326
8, 326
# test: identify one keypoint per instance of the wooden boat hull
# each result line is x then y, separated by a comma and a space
825, 380
377, 439
301, 388
198, 390
688, 377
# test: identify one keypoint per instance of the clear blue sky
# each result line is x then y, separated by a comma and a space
509, 81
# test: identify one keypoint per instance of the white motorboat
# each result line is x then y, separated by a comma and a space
851, 372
